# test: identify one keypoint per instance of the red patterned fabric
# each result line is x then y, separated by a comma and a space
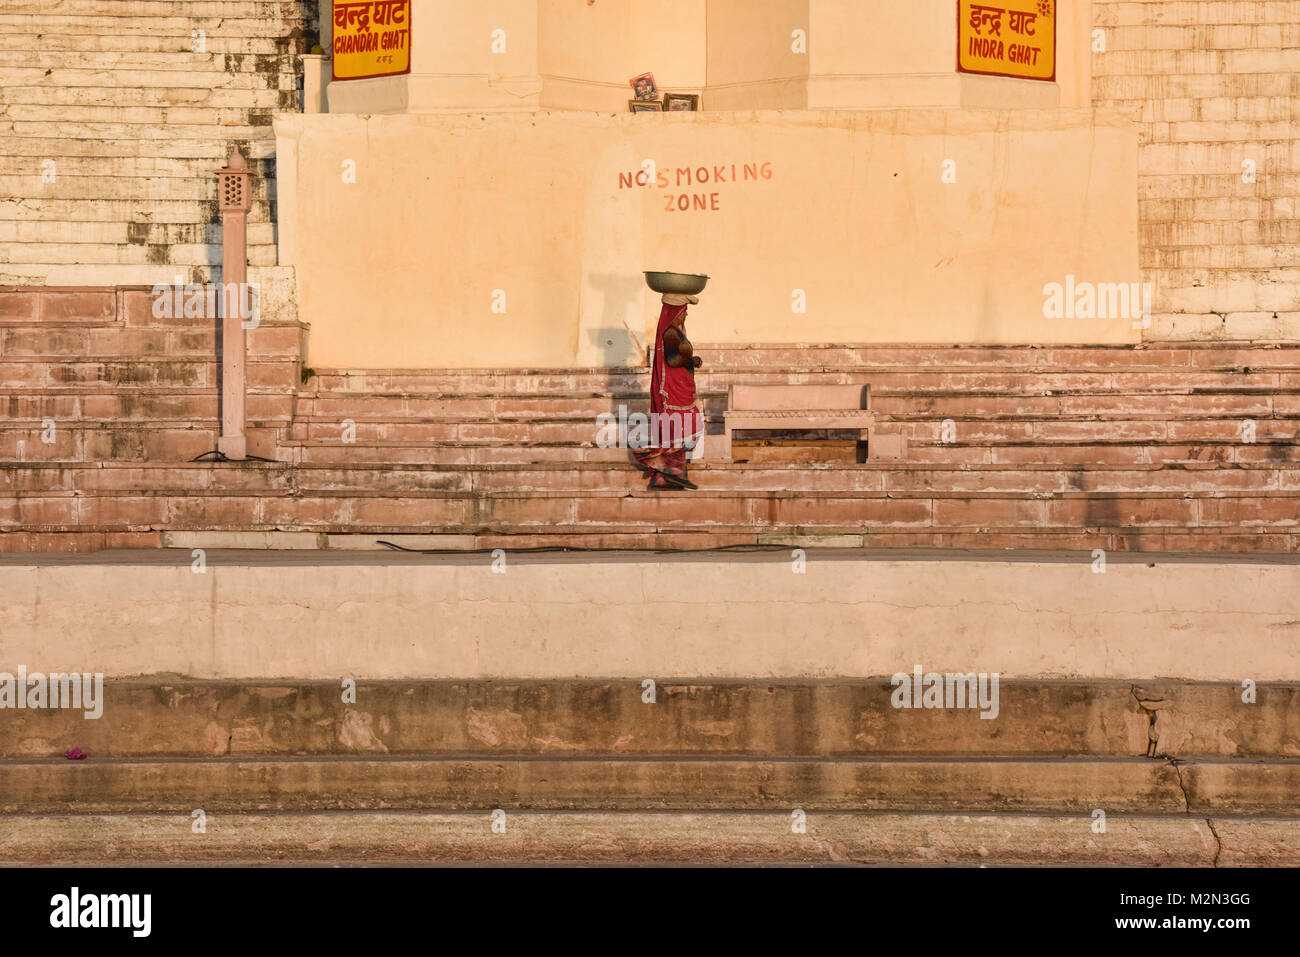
675, 420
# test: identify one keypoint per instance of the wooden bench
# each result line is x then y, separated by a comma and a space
806, 407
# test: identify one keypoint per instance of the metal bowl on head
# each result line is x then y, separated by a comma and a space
681, 283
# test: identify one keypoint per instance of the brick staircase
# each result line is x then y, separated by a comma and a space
111, 125
712, 771
1142, 448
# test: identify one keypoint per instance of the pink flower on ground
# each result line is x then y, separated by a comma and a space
76, 754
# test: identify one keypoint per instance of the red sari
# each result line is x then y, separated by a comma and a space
676, 423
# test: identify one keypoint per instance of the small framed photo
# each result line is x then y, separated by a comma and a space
681, 102
645, 106
644, 87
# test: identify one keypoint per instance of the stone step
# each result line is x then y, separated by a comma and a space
170, 338
883, 381
612, 516
100, 274
226, 125
522, 452
34, 374
664, 782
732, 837
117, 211
933, 407
244, 23
146, 9
91, 411
68, 539
260, 43
19, 149
127, 79
102, 233
1048, 719
180, 65
1164, 357
614, 474
149, 167
92, 254
126, 100
143, 189
184, 115
1175, 36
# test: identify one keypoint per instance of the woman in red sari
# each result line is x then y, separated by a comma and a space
676, 424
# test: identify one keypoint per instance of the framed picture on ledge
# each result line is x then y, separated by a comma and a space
644, 87
645, 106
681, 102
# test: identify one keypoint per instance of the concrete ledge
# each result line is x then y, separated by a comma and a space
650, 837
762, 719
581, 615
1125, 786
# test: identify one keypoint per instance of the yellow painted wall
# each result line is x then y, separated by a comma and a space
400, 268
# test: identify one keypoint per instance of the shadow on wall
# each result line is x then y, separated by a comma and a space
614, 339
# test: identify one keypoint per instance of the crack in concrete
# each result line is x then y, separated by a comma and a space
1218, 842
1182, 785
1153, 736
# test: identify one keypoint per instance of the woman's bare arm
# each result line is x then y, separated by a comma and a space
677, 349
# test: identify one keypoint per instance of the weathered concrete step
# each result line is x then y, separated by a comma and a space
1254, 542
181, 441
180, 338
233, 120
129, 23
666, 782
227, 126
174, 62
621, 518
137, 96
133, 78
107, 150
141, 188
194, 372
1095, 454
141, 407
100, 275
90, 254
109, 41
163, 717
1167, 357
94, 233
145, 9
149, 167
1002, 490
1147, 62
162, 212
652, 837
84, 254
460, 454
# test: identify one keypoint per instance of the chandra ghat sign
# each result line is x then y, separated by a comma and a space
371, 38
1015, 38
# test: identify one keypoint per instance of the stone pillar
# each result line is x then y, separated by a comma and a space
235, 197
315, 78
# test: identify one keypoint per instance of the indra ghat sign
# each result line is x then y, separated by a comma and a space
1014, 38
